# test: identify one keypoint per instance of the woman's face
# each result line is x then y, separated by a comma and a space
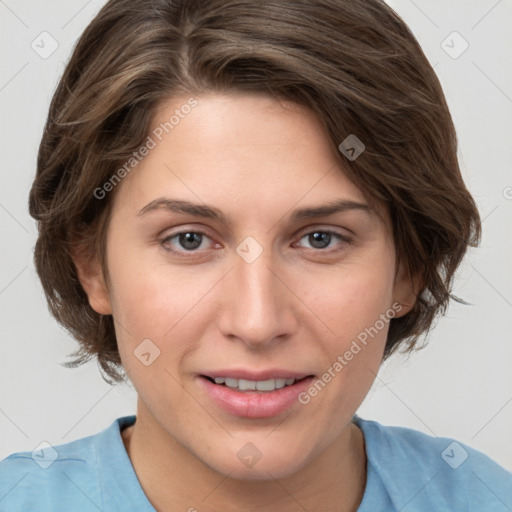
226, 260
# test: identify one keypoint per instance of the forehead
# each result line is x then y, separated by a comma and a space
224, 124
241, 153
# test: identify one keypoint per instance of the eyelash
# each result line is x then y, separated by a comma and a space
343, 239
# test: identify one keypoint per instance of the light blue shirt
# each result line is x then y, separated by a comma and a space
407, 471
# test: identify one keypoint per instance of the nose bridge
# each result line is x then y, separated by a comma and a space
257, 292
257, 309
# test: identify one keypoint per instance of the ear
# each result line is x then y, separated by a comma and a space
92, 280
406, 289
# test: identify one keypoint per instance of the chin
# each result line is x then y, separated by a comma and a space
250, 464
260, 472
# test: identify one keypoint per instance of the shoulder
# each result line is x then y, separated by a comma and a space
61, 477
31, 480
423, 472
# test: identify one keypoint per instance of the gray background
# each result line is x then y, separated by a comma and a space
459, 386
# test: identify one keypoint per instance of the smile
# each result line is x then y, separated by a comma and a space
255, 398
254, 385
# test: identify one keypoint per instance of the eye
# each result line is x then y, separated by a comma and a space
321, 239
185, 241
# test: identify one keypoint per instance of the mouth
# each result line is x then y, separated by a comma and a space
261, 396
245, 385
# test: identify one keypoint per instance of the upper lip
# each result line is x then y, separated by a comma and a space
271, 373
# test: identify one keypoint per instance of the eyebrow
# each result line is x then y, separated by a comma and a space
210, 212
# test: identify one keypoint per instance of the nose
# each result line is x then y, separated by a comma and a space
257, 306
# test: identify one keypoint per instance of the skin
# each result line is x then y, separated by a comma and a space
297, 306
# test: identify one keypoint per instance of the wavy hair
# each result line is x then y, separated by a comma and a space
354, 63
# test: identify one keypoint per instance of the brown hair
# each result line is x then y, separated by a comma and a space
354, 63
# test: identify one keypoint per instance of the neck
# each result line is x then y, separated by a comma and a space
175, 480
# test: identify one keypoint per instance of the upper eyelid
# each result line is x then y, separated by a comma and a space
309, 230
342, 238
303, 231
301, 234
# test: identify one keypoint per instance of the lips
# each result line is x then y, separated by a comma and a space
252, 394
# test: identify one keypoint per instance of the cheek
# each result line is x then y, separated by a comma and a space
152, 298
162, 305
357, 308
351, 299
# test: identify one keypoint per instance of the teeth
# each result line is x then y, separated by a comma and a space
266, 385
254, 385
244, 385
231, 383
280, 383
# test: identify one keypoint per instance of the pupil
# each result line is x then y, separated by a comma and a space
319, 238
190, 240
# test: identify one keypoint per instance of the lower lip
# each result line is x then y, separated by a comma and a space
255, 404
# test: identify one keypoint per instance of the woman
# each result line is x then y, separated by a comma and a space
244, 208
